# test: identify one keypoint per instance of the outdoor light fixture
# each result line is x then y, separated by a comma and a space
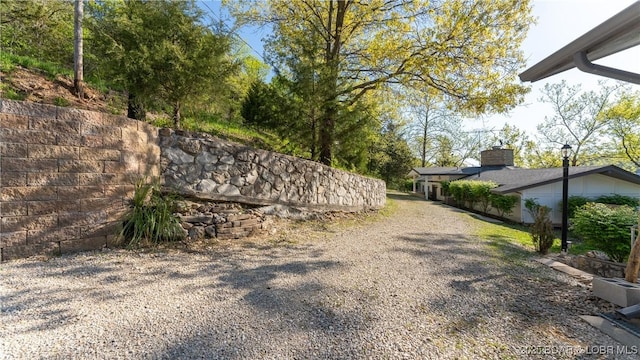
565, 150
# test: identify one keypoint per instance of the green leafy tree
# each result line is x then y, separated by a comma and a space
539, 157
515, 139
159, 51
444, 153
392, 158
38, 28
624, 127
429, 117
466, 50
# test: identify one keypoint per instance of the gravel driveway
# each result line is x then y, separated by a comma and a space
416, 284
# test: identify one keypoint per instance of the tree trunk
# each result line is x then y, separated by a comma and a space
135, 110
78, 77
326, 134
633, 264
424, 139
176, 115
331, 58
314, 139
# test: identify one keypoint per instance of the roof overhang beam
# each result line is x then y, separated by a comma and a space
620, 32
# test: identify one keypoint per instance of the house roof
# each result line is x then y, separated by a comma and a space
515, 179
453, 170
511, 179
620, 32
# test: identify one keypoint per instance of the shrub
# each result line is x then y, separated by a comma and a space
541, 231
471, 192
504, 204
573, 203
405, 185
576, 202
481, 191
615, 199
445, 187
605, 228
150, 219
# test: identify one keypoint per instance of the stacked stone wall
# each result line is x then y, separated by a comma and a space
66, 176
595, 266
210, 168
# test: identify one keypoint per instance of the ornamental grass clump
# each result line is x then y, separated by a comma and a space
150, 219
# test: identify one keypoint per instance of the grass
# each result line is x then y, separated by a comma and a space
505, 236
212, 124
49, 69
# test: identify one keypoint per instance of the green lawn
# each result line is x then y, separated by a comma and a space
516, 234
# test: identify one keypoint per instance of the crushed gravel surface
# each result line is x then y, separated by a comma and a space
416, 284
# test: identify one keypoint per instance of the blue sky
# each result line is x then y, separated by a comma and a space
558, 23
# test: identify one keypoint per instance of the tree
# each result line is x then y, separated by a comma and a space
38, 28
577, 121
515, 139
624, 127
467, 50
538, 157
431, 118
444, 154
392, 158
159, 52
78, 76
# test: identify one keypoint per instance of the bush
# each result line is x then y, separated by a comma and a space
576, 202
150, 219
471, 192
504, 204
573, 203
542, 229
615, 199
605, 228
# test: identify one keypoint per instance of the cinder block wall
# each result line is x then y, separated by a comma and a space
66, 175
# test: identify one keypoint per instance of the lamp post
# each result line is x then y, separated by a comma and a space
565, 150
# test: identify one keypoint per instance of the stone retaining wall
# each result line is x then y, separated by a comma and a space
599, 267
66, 175
208, 220
210, 168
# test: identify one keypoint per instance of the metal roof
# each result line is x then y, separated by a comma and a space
620, 32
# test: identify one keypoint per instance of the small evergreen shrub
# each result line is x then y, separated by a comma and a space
150, 219
605, 228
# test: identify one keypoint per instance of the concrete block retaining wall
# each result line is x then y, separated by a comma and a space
66, 175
